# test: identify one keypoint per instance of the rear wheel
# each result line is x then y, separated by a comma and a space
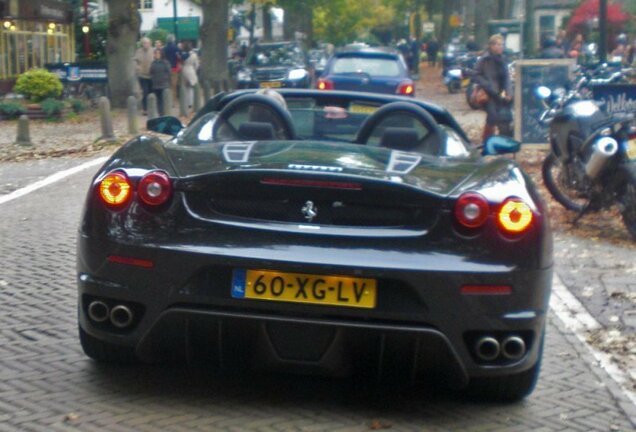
506, 388
104, 351
454, 86
628, 207
559, 182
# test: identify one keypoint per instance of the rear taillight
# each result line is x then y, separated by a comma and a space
406, 88
514, 216
471, 210
115, 189
155, 188
324, 84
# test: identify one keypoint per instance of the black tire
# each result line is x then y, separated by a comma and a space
555, 179
454, 86
628, 207
105, 352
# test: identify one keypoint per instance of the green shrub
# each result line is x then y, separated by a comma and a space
12, 109
78, 105
38, 84
52, 107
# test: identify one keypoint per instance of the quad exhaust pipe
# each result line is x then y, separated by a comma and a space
489, 348
120, 316
513, 348
98, 311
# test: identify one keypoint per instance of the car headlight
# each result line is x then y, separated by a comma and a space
244, 75
297, 74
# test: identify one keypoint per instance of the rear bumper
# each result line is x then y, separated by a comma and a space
183, 308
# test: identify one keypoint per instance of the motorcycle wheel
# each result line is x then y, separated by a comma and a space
556, 179
628, 207
454, 86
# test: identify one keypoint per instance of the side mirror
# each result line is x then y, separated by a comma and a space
165, 125
498, 145
542, 92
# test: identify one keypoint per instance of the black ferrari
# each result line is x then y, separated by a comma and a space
334, 233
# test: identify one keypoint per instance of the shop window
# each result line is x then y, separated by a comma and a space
547, 26
145, 4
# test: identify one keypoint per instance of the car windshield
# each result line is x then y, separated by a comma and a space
276, 55
371, 66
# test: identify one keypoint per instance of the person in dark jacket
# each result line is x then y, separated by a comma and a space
491, 73
160, 76
550, 50
431, 51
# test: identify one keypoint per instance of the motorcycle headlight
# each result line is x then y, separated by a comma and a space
297, 74
244, 75
455, 73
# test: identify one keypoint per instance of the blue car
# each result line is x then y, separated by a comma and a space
275, 65
374, 70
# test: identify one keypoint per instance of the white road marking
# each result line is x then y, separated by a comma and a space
50, 180
578, 320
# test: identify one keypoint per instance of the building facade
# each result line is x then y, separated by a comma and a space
32, 34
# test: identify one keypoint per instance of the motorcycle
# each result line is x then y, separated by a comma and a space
592, 160
458, 71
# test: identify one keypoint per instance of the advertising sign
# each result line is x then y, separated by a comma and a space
615, 98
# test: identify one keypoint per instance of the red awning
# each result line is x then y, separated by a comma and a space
589, 10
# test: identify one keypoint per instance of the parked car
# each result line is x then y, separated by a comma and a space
351, 233
275, 65
376, 70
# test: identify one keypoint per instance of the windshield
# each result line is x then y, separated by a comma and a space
371, 66
276, 55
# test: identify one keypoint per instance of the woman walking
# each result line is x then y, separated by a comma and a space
189, 72
491, 73
160, 76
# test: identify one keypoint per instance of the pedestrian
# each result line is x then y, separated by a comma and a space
158, 44
189, 71
172, 54
143, 59
491, 73
432, 48
550, 50
415, 55
160, 76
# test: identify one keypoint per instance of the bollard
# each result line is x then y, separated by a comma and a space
196, 104
183, 100
151, 101
166, 95
106, 119
24, 136
133, 115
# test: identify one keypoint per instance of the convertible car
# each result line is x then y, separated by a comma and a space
332, 233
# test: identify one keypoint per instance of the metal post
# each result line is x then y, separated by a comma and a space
174, 19
602, 22
87, 45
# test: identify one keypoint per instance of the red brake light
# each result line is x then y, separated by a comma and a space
514, 216
155, 188
324, 84
471, 210
115, 189
406, 88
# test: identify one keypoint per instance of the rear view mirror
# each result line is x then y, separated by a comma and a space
498, 145
165, 125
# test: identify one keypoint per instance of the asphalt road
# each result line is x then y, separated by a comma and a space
46, 383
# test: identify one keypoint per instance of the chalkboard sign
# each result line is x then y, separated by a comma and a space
530, 74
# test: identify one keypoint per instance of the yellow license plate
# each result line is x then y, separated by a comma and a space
271, 84
362, 109
304, 288
631, 149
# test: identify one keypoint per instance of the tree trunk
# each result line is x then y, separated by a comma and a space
124, 22
214, 42
294, 19
446, 28
267, 22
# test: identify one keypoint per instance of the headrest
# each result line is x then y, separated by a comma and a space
256, 131
399, 138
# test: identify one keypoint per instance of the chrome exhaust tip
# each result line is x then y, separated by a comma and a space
487, 348
98, 311
121, 316
513, 348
